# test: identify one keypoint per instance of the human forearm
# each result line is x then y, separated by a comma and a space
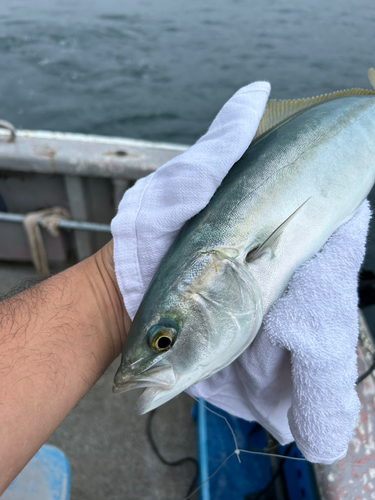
56, 340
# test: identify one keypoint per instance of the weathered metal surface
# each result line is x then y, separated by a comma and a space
63, 224
102, 209
85, 173
78, 207
83, 155
11, 135
27, 192
119, 188
353, 478
24, 192
14, 246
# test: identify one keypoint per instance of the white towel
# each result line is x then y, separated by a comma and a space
297, 379
151, 213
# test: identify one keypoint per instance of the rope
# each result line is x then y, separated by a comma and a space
49, 219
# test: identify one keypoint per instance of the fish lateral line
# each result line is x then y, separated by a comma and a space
272, 240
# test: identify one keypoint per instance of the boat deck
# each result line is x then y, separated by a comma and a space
107, 446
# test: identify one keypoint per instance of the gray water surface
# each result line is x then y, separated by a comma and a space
161, 70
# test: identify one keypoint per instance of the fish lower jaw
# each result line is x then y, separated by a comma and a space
152, 397
128, 386
139, 384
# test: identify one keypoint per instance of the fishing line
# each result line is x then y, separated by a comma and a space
212, 475
271, 455
237, 452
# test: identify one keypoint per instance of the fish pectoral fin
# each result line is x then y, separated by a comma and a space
272, 240
222, 253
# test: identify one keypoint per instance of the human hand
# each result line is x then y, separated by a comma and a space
56, 339
298, 376
153, 211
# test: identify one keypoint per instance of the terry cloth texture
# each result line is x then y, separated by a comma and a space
153, 211
298, 377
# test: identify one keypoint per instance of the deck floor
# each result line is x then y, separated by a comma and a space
106, 443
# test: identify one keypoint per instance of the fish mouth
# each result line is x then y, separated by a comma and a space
160, 377
152, 397
149, 400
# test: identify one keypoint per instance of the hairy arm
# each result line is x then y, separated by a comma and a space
56, 340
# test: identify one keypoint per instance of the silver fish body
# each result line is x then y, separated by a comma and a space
227, 266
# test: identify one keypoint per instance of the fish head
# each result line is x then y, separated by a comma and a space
188, 327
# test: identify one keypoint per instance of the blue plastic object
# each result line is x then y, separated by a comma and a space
248, 479
203, 451
215, 444
299, 477
45, 477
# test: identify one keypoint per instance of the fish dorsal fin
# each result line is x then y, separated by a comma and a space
271, 241
278, 111
371, 77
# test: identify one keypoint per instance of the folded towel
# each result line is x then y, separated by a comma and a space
153, 211
298, 377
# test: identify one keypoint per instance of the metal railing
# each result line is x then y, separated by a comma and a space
63, 224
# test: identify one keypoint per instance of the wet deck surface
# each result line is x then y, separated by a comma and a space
109, 454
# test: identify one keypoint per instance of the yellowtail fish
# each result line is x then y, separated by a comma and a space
309, 168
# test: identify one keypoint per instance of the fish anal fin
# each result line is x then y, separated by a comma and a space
278, 111
271, 242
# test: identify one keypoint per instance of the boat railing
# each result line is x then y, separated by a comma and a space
86, 174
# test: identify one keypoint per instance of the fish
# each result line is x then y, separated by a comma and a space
310, 166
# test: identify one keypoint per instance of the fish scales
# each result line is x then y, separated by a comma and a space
230, 263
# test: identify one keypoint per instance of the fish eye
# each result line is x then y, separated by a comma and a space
163, 343
161, 337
